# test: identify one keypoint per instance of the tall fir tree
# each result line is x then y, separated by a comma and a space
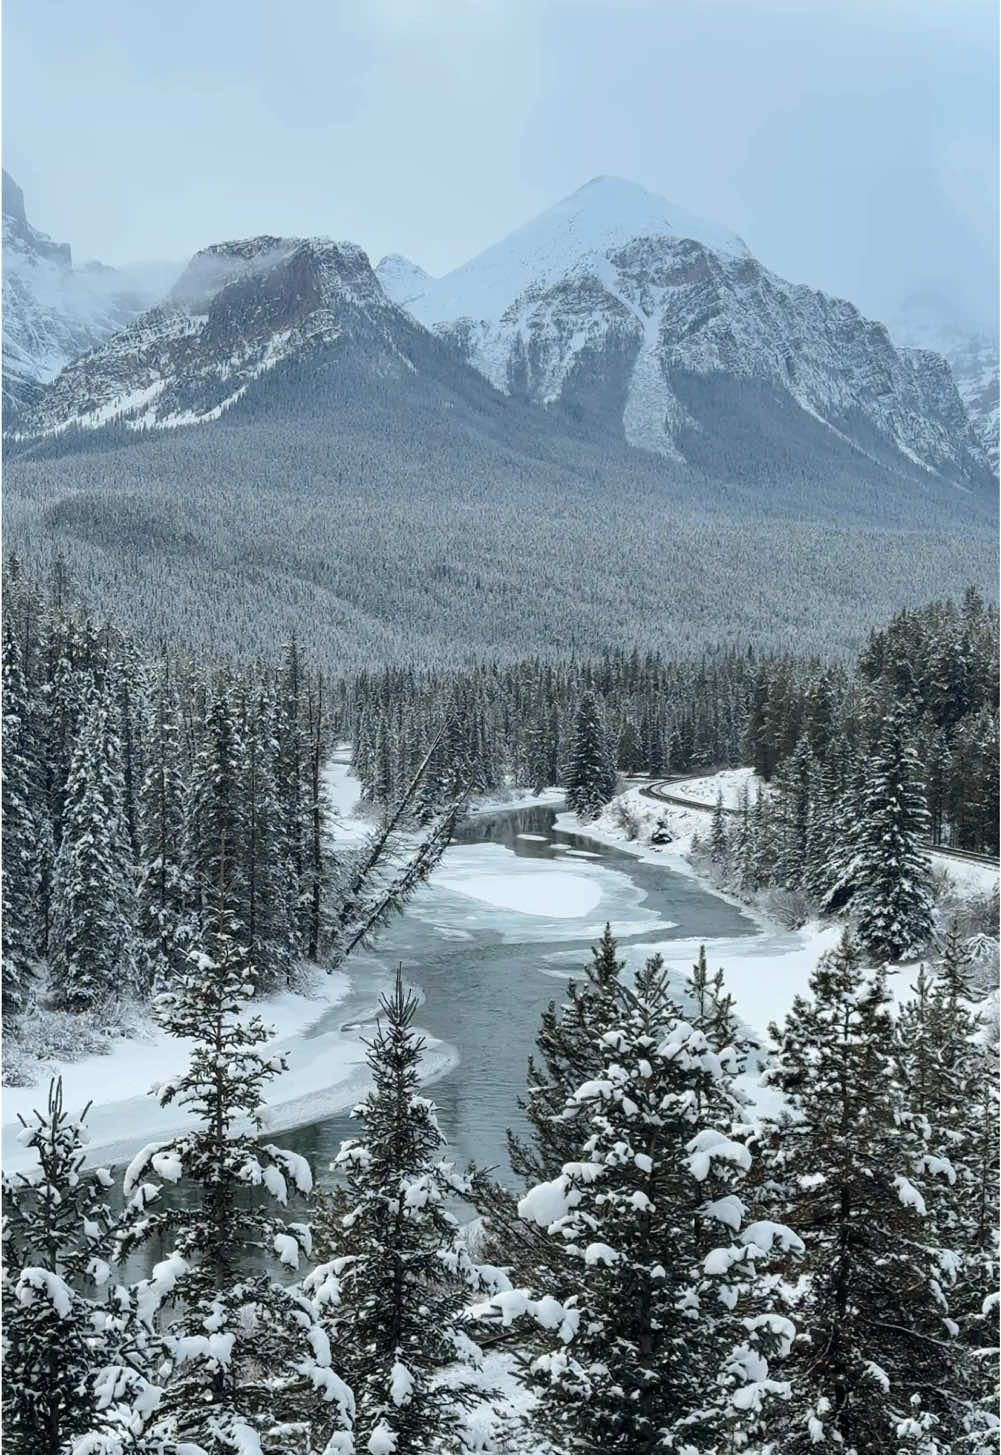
91, 943
165, 891
667, 1333
20, 832
240, 1359
402, 1266
590, 772
887, 877
843, 1164
567, 1046
58, 1229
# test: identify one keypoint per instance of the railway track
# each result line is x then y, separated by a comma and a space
656, 791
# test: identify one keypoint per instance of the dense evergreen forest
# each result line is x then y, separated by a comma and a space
139, 789
136, 786
678, 1269
792, 718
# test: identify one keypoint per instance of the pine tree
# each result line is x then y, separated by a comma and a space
94, 908
241, 1360
20, 830
568, 1054
886, 877
653, 1351
950, 1076
590, 775
840, 1165
57, 1233
719, 840
165, 890
403, 1269
217, 825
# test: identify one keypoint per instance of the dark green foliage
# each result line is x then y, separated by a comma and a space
843, 1164
57, 1232
397, 1254
654, 1342
91, 942
589, 777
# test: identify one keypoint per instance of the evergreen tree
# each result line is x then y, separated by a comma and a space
950, 1076
840, 1164
57, 1229
888, 877
20, 829
568, 1054
165, 890
665, 1337
590, 774
719, 840
94, 909
402, 1267
240, 1360
217, 818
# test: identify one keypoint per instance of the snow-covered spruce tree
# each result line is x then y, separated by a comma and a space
57, 1232
20, 830
217, 829
164, 891
403, 1271
568, 1054
888, 876
839, 1164
271, 879
590, 772
719, 839
240, 1359
91, 943
950, 1076
664, 1343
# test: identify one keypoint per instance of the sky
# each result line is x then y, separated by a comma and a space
853, 144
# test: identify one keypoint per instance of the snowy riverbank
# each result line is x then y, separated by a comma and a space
326, 1062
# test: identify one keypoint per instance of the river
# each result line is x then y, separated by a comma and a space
509, 916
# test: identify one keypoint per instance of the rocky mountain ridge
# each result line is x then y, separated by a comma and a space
664, 330
53, 312
238, 311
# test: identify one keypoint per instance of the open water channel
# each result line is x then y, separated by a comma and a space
507, 919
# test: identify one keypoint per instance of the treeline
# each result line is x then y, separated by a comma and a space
520, 723
680, 1271
795, 720
137, 789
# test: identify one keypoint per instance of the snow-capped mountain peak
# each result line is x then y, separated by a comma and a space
239, 310
605, 214
618, 303
402, 280
53, 311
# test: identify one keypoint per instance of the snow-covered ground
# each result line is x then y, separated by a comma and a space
326, 1065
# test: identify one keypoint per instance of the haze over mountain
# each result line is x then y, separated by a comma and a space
52, 311
929, 320
278, 445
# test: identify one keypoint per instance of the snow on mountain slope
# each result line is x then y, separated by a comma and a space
52, 311
239, 309
605, 214
930, 321
618, 303
402, 280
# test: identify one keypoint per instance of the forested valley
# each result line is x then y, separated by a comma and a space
678, 1269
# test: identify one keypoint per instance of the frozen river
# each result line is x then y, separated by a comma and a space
507, 919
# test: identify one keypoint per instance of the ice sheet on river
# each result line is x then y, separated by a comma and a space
481, 885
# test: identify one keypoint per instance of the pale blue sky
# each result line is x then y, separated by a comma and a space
852, 143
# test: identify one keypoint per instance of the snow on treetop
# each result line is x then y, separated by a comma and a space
607, 213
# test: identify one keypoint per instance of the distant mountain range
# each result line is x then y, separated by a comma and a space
615, 425
52, 311
613, 305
